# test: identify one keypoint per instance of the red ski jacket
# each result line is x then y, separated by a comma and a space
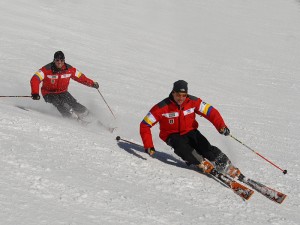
56, 81
177, 119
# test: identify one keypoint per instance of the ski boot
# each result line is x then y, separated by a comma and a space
232, 171
206, 166
223, 165
84, 118
83, 115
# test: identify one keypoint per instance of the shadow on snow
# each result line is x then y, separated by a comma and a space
163, 157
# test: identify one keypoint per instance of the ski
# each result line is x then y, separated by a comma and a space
244, 192
238, 188
110, 129
98, 123
82, 121
268, 192
21, 107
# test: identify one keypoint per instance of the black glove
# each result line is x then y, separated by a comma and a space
225, 131
150, 151
35, 96
96, 85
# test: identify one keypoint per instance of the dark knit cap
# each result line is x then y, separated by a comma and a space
180, 86
59, 55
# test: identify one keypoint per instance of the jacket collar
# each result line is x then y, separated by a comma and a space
56, 70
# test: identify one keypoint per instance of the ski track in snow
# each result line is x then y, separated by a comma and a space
238, 56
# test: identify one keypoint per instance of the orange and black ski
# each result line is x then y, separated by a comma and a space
268, 192
238, 188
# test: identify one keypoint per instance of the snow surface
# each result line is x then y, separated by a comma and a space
242, 57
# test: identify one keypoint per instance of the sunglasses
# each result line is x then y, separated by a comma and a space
180, 94
57, 60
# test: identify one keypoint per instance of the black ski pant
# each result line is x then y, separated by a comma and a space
65, 102
189, 146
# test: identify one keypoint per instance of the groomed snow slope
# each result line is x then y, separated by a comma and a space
240, 56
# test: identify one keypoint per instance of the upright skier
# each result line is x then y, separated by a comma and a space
55, 77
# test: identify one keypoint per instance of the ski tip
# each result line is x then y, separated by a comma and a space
118, 138
281, 198
112, 129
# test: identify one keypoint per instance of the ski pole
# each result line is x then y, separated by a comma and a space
284, 171
118, 138
15, 96
106, 104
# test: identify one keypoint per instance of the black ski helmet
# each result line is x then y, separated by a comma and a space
59, 55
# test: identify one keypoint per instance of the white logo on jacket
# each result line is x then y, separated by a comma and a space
171, 115
189, 111
66, 75
52, 76
62, 76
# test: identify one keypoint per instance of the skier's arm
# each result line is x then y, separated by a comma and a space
212, 114
35, 81
81, 78
145, 128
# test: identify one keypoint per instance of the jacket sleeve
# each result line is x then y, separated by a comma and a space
81, 78
145, 127
35, 81
212, 114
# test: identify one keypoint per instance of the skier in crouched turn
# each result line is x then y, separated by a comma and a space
178, 128
56, 77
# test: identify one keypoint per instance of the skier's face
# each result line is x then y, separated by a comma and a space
59, 63
179, 97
